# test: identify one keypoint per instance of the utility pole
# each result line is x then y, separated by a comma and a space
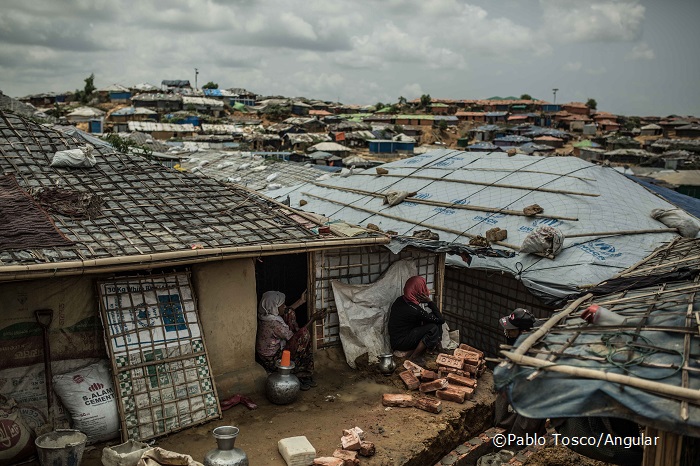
196, 72
555, 95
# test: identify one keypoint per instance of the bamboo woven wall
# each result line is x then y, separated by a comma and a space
474, 301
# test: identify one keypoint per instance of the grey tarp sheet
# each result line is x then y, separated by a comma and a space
510, 183
553, 395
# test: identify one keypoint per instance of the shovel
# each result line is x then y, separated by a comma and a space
44, 318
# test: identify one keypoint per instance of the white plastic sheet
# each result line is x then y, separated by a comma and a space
363, 311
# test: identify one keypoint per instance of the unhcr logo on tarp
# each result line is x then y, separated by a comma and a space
549, 222
600, 250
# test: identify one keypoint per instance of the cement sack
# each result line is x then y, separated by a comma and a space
16, 438
74, 158
125, 454
88, 395
26, 385
363, 312
544, 240
677, 218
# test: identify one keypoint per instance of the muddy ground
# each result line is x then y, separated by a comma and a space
343, 399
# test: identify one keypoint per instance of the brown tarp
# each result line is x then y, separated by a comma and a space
25, 225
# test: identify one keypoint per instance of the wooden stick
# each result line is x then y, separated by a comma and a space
401, 219
554, 320
686, 354
660, 388
648, 258
666, 264
645, 295
623, 232
447, 204
494, 185
521, 171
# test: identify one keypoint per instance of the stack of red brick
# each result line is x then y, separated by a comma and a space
455, 380
354, 444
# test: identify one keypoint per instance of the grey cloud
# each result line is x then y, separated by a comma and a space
593, 21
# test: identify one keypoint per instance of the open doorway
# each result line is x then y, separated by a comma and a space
287, 274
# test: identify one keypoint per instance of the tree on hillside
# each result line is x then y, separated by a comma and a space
425, 100
592, 104
378, 106
402, 101
86, 93
211, 85
526, 97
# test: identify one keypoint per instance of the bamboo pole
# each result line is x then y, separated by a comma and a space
446, 204
666, 264
648, 258
187, 256
656, 387
402, 219
645, 295
519, 171
494, 185
623, 232
554, 320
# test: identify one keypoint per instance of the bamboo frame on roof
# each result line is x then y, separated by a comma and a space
449, 205
493, 185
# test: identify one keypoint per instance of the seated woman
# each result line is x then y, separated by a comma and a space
278, 330
412, 327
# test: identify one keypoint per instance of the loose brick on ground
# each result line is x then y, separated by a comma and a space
454, 379
449, 361
367, 449
451, 394
411, 381
471, 348
468, 356
428, 387
349, 457
413, 367
328, 461
397, 400
428, 404
350, 441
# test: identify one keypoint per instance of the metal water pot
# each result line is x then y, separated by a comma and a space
226, 454
386, 363
282, 387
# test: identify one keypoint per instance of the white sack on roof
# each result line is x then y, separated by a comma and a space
74, 158
677, 218
507, 184
544, 240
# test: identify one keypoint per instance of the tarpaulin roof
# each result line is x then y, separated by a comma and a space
644, 368
463, 194
687, 203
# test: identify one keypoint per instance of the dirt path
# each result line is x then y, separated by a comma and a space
343, 399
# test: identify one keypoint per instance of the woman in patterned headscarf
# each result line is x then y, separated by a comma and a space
278, 330
415, 322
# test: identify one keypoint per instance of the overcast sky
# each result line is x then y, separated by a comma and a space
633, 57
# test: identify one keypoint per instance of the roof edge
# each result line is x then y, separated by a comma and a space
189, 256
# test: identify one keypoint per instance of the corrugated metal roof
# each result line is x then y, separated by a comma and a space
202, 101
222, 129
133, 111
149, 127
249, 170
